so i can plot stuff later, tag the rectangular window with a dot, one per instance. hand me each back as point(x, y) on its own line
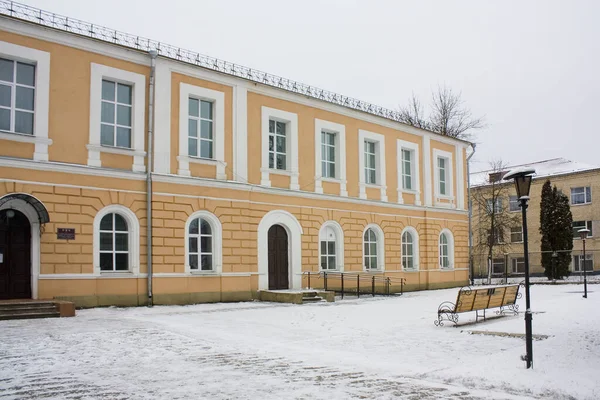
point(328, 154)
point(516, 234)
point(277, 145)
point(17, 96)
point(581, 195)
point(513, 203)
point(498, 266)
point(518, 265)
point(443, 175)
point(497, 237)
point(578, 262)
point(200, 128)
point(116, 113)
point(407, 170)
point(578, 225)
point(496, 207)
point(328, 255)
point(370, 166)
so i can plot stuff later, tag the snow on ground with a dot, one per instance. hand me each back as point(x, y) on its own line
point(371, 348)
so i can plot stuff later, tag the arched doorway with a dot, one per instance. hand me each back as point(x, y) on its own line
point(15, 255)
point(278, 258)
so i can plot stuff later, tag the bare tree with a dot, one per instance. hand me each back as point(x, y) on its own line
point(448, 114)
point(492, 221)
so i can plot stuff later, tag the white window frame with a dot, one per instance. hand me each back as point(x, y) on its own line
point(586, 200)
point(340, 155)
point(291, 121)
point(41, 59)
point(520, 231)
point(133, 226)
point(217, 243)
point(516, 201)
point(498, 261)
point(579, 257)
point(339, 244)
point(184, 159)
point(450, 236)
point(515, 265)
point(379, 140)
point(99, 73)
point(449, 179)
point(498, 206)
point(415, 244)
point(588, 225)
point(415, 169)
point(380, 248)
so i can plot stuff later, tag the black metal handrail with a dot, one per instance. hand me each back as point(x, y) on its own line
point(345, 277)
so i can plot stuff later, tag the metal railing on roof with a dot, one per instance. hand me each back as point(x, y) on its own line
point(75, 26)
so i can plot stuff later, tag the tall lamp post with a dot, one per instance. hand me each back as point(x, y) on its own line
point(583, 233)
point(522, 178)
point(554, 262)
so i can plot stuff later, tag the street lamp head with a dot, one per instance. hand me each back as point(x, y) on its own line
point(522, 178)
point(583, 233)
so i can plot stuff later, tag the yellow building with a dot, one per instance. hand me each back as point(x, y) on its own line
point(576, 180)
point(255, 179)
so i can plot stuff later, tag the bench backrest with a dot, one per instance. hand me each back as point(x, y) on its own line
point(478, 299)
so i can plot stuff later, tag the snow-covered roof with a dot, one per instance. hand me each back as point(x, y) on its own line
point(543, 169)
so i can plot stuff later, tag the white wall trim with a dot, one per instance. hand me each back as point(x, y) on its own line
point(138, 81)
point(240, 133)
point(379, 139)
point(133, 226)
point(162, 117)
point(416, 253)
point(460, 178)
point(218, 99)
point(217, 243)
point(42, 95)
point(339, 243)
point(340, 155)
point(448, 232)
point(294, 232)
point(380, 248)
point(427, 185)
point(291, 120)
point(415, 167)
point(32, 216)
point(449, 184)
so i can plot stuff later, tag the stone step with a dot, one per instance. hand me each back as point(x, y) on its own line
point(308, 294)
point(27, 308)
point(311, 299)
point(29, 314)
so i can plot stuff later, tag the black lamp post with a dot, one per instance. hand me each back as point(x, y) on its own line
point(522, 178)
point(583, 233)
point(554, 263)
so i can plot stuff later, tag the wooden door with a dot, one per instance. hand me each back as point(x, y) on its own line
point(15, 247)
point(278, 258)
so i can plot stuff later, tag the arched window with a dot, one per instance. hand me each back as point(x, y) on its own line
point(410, 249)
point(116, 240)
point(446, 251)
point(331, 246)
point(203, 243)
point(114, 243)
point(373, 248)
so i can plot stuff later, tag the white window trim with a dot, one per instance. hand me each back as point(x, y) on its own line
point(511, 233)
point(416, 254)
point(291, 121)
point(379, 140)
point(380, 248)
point(42, 98)
point(218, 99)
point(415, 168)
point(138, 81)
point(133, 228)
point(588, 257)
point(339, 244)
point(518, 206)
point(340, 155)
point(590, 235)
point(450, 249)
point(584, 195)
point(449, 184)
point(217, 243)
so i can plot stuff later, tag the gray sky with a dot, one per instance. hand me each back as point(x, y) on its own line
point(532, 68)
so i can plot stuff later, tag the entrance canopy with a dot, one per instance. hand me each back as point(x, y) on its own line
point(37, 205)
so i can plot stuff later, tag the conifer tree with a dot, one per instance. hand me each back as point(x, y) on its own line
point(556, 228)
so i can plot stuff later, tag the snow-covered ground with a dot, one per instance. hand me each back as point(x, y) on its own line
point(372, 348)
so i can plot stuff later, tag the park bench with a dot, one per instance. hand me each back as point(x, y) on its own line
point(469, 299)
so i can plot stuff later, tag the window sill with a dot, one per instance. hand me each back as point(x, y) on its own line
point(409, 191)
point(410, 269)
point(199, 160)
point(281, 172)
point(581, 204)
point(332, 180)
point(117, 274)
point(373, 186)
point(23, 138)
point(448, 269)
point(203, 273)
point(116, 150)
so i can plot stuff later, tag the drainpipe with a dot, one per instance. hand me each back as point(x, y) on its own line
point(470, 214)
point(153, 55)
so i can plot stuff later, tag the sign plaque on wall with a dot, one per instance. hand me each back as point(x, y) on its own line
point(65, 233)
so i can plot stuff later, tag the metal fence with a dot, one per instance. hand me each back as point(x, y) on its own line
point(75, 26)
